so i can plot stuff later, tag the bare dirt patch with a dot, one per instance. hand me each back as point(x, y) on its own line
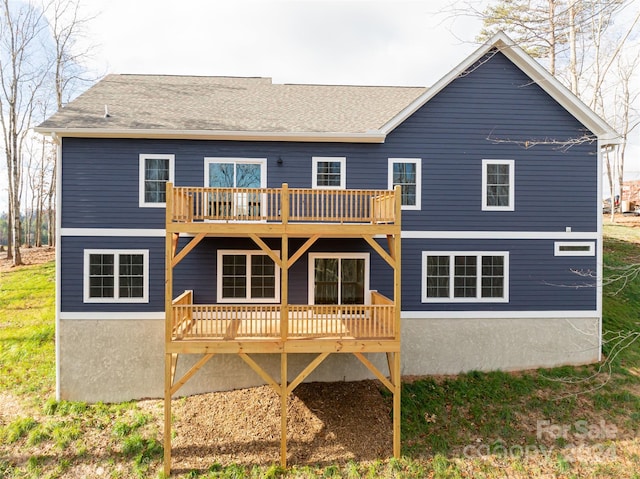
point(328, 423)
point(30, 256)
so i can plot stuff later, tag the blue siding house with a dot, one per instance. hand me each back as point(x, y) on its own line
point(498, 171)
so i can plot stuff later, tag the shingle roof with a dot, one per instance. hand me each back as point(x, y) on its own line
point(179, 103)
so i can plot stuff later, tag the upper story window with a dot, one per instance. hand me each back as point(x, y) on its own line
point(247, 276)
point(406, 172)
point(116, 276)
point(329, 172)
point(155, 172)
point(465, 277)
point(498, 185)
point(338, 278)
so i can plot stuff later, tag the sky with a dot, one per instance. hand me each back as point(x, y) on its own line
point(361, 42)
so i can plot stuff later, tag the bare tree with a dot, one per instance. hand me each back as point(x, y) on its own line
point(67, 26)
point(22, 74)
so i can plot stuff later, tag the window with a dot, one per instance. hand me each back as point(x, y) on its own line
point(155, 172)
point(247, 276)
point(498, 185)
point(329, 172)
point(235, 173)
point(574, 248)
point(116, 276)
point(338, 278)
point(465, 277)
point(406, 172)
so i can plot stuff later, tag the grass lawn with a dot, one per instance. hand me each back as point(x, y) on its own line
point(564, 422)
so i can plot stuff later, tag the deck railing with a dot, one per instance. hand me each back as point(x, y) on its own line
point(246, 321)
point(284, 204)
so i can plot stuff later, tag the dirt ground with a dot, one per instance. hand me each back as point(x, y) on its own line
point(29, 256)
point(327, 423)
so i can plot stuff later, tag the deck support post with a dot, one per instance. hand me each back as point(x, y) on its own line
point(283, 409)
point(167, 414)
point(396, 405)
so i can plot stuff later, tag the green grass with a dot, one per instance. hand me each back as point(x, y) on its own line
point(27, 358)
point(441, 417)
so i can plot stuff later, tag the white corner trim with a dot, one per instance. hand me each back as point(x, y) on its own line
point(498, 314)
point(115, 232)
point(58, 254)
point(105, 316)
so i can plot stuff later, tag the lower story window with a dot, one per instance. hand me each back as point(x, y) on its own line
point(116, 276)
point(338, 278)
point(247, 276)
point(465, 276)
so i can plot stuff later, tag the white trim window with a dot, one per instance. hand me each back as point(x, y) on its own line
point(154, 173)
point(339, 278)
point(116, 276)
point(247, 276)
point(407, 173)
point(329, 172)
point(574, 248)
point(465, 276)
point(498, 185)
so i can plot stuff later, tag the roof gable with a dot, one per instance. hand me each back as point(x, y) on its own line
point(533, 70)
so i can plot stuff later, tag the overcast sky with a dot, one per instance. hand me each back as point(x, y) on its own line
point(303, 41)
point(385, 42)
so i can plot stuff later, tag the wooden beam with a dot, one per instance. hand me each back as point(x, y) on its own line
point(396, 406)
point(391, 243)
point(283, 409)
point(385, 256)
point(189, 374)
point(174, 365)
point(264, 247)
point(261, 372)
point(303, 249)
point(390, 365)
point(167, 414)
point(175, 238)
point(306, 371)
point(375, 371)
point(192, 244)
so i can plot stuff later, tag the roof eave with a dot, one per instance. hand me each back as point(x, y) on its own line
point(303, 136)
point(535, 71)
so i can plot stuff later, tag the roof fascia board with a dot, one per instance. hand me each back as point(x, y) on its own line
point(531, 68)
point(369, 137)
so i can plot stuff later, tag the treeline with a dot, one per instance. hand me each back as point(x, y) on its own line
point(37, 229)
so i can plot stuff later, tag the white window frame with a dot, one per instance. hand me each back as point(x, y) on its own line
point(418, 163)
point(141, 179)
point(478, 298)
point(559, 251)
point(247, 298)
point(311, 277)
point(512, 185)
point(343, 171)
point(261, 161)
point(116, 275)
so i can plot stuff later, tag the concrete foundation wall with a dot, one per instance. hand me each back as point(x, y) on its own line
point(118, 360)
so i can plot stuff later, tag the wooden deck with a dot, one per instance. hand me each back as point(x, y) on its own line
point(240, 322)
point(284, 328)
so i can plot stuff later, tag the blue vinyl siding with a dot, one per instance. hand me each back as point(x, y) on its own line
point(538, 280)
point(72, 272)
point(197, 271)
point(555, 188)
